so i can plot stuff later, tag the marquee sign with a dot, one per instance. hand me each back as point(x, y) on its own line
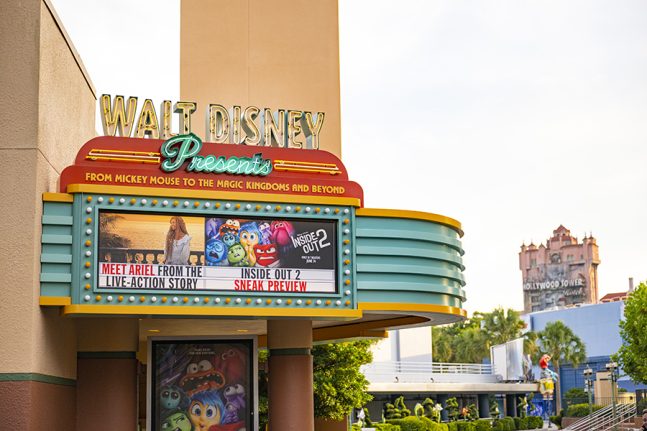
point(184, 162)
point(216, 254)
point(185, 226)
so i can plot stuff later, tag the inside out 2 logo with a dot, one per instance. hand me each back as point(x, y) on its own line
point(311, 241)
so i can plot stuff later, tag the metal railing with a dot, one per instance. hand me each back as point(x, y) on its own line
point(605, 418)
point(431, 367)
point(398, 371)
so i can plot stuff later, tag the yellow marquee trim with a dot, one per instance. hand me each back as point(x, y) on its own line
point(412, 308)
point(57, 197)
point(55, 301)
point(417, 215)
point(209, 311)
point(208, 194)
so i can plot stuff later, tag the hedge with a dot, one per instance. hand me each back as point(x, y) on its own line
point(580, 410)
point(385, 427)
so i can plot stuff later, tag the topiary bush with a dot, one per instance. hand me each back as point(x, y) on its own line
point(483, 425)
point(535, 422)
point(504, 424)
point(580, 410)
point(386, 427)
point(521, 423)
point(451, 426)
point(408, 424)
point(466, 426)
point(432, 425)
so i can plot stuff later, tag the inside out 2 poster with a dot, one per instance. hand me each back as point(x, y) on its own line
point(172, 252)
point(201, 385)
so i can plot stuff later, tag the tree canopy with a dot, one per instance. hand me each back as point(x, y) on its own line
point(632, 355)
point(339, 386)
point(470, 341)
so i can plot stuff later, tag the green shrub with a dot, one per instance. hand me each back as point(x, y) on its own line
point(580, 410)
point(521, 423)
point(432, 425)
point(451, 426)
point(386, 427)
point(466, 426)
point(535, 422)
point(483, 425)
point(504, 424)
point(410, 423)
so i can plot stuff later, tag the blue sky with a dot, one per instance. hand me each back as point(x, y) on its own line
point(511, 116)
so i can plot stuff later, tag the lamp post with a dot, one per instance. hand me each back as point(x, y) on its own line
point(588, 373)
point(612, 367)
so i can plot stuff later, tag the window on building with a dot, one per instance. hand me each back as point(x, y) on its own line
point(533, 263)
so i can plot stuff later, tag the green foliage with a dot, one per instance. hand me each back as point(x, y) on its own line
point(504, 424)
point(559, 341)
point(399, 404)
point(409, 424)
point(338, 384)
point(631, 356)
point(483, 425)
point(580, 410)
point(386, 427)
point(433, 426)
point(470, 341)
point(428, 405)
point(494, 409)
point(502, 326)
point(466, 426)
point(451, 426)
point(557, 420)
point(470, 412)
point(391, 412)
point(521, 423)
point(451, 405)
point(535, 422)
point(576, 393)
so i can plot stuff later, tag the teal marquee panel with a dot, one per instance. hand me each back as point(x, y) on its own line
point(71, 254)
point(56, 249)
point(408, 261)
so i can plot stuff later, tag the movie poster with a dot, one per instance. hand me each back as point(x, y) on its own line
point(202, 385)
point(171, 252)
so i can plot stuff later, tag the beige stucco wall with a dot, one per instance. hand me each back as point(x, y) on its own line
point(48, 115)
point(279, 54)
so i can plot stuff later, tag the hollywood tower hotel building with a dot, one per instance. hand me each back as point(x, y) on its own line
point(562, 272)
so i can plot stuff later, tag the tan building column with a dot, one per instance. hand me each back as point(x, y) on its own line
point(291, 402)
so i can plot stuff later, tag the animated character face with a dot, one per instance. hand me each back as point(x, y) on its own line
point(266, 254)
point(204, 415)
point(266, 232)
point(236, 253)
point(216, 251)
point(281, 232)
point(170, 397)
point(200, 377)
point(230, 225)
point(249, 235)
point(177, 422)
point(229, 238)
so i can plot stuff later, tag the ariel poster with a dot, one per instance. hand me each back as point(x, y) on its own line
point(203, 385)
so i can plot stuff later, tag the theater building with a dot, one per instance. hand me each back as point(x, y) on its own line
point(562, 272)
point(144, 268)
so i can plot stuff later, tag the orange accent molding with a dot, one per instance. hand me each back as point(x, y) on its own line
point(416, 215)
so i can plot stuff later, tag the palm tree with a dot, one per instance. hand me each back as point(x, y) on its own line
point(441, 345)
point(502, 326)
point(471, 346)
point(559, 341)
